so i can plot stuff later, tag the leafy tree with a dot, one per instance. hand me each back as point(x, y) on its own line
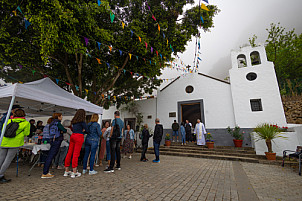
point(54, 45)
point(284, 49)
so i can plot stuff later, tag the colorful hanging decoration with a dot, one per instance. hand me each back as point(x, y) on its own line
point(99, 61)
point(123, 24)
point(99, 2)
point(86, 40)
point(201, 19)
point(112, 17)
point(99, 45)
point(204, 7)
point(130, 55)
point(27, 23)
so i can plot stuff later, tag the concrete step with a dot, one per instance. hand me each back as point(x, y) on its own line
point(211, 156)
point(191, 144)
point(214, 152)
point(216, 149)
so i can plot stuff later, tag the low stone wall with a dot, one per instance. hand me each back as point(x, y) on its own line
point(293, 109)
point(221, 137)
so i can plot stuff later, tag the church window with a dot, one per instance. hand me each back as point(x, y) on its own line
point(255, 58)
point(256, 105)
point(251, 76)
point(241, 59)
point(189, 89)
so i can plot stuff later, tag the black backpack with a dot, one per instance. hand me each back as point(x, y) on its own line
point(11, 130)
point(116, 131)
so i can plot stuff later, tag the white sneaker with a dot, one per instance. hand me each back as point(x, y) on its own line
point(66, 174)
point(92, 172)
point(130, 157)
point(84, 171)
point(74, 175)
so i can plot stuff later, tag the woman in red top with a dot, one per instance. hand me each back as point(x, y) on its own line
point(76, 141)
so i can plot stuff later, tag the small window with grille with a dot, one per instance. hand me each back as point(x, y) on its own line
point(256, 105)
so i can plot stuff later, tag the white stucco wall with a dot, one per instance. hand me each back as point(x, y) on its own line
point(279, 145)
point(216, 95)
point(265, 87)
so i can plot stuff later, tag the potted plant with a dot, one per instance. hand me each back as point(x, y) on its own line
point(168, 140)
point(268, 133)
point(237, 134)
point(209, 141)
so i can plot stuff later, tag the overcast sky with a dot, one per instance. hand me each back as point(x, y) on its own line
point(234, 25)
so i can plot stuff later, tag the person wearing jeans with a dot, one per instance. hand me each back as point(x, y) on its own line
point(92, 143)
point(55, 143)
point(158, 134)
point(115, 143)
point(183, 133)
point(175, 128)
point(76, 141)
point(10, 145)
point(60, 157)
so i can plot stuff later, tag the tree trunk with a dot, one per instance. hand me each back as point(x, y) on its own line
point(80, 66)
point(269, 146)
point(69, 76)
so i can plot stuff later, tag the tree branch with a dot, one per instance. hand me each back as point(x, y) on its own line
point(113, 80)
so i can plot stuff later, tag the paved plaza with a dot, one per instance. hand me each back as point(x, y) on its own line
point(175, 178)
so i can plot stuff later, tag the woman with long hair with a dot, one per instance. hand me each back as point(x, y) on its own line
point(10, 145)
point(92, 143)
point(103, 143)
point(76, 141)
point(128, 141)
point(56, 131)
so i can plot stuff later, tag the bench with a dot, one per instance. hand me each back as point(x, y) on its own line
point(294, 154)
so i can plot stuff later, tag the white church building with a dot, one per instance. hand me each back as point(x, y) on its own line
point(250, 97)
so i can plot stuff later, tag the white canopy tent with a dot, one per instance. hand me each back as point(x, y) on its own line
point(42, 98)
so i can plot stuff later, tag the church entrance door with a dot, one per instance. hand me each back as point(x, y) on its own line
point(191, 110)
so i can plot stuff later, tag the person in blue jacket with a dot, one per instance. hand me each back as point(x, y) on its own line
point(92, 143)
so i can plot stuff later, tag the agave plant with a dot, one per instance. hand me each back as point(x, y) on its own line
point(268, 133)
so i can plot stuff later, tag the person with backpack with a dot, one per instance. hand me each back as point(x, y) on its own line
point(79, 127)
point(115, 142)
point(17, 128)
point(2, 120)
point(56, 131)
point(92, 144)
point(60, 157)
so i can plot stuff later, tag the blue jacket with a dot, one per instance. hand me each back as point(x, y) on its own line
point(79, 127)
point(182, 130)
point(131, 132)
point(94, 131)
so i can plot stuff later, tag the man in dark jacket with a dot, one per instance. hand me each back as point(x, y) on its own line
point(158, 134)
point(145, 139)
point(175, 128)
point(188, 127)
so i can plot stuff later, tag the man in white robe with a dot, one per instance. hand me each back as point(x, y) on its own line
point(200, 132)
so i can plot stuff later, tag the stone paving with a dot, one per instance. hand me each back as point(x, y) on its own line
point(175, 178)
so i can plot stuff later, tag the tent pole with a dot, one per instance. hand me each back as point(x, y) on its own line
point(7, 117)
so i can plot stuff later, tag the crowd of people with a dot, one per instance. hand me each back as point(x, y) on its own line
point(67, 139)
point(188, 133)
